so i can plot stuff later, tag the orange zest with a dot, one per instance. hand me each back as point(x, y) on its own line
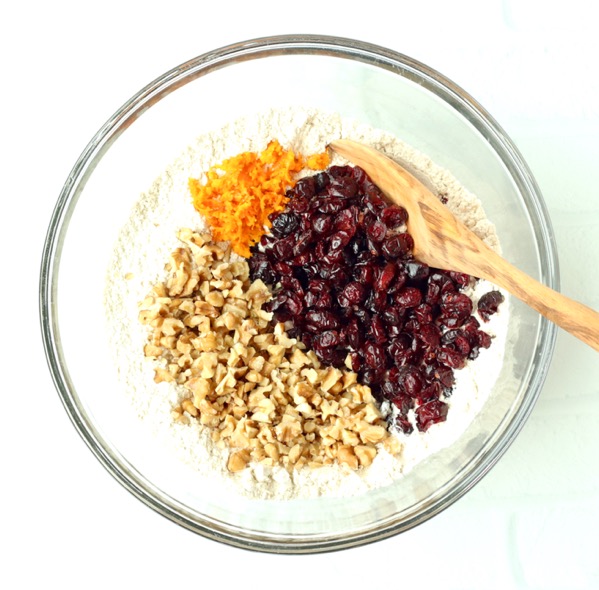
point(241, 192)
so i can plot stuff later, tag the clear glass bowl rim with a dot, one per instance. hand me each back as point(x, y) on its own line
point(199, 66)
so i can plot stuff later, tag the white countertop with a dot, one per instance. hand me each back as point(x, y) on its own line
point(532, 522)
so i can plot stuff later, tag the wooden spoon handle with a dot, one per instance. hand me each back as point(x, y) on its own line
point(471, 255)
point(445, 242)
point(574, 317)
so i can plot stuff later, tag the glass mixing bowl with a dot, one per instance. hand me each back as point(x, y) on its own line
point(361, 81)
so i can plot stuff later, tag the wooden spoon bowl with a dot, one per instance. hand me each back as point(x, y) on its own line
point(441, 241)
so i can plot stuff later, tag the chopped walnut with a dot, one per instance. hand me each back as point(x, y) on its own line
point(260, 392)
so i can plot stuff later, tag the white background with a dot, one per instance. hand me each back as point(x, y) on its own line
point(533, 522)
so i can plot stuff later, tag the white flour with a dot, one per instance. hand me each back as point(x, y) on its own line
point(145, 243)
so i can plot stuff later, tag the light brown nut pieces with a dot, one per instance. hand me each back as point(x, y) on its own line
point(263, 395)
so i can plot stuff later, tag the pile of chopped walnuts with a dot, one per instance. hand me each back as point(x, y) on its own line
point(260, 392)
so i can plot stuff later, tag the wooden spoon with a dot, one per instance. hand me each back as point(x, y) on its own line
point(444, 242)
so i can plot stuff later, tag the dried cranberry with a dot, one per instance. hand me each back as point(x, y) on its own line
point(376, 231)
point(403, 424)
point(317, 321)
point(438, 284)
point(411, 381)
point(345, 187)
point(291, 284)
point(408, 297)
point(430, 335)
point(403, 402)
point(444, 375)
point(398, 246)
point(266, 240)
point(352, 334)
point(347, 283)
point(430, 413)
point(374, 355)
point(371, 376)
point(385, 277)
point(305, 187)
point(460, 279)
point(321, 181)
point(392, 316)
point(356, 361)
point(322, 224)
point(430, 392)
point(260, 268)
point(302, 260)
point(377, 301)
point(394, 217)
point(417, 271)
point(339, 240)
point(484, 340)
point(336, 172)
point(328, 205)
point(423, 313)
point(462, 345)
point(284, 223)
point(364, 273)
point(326, 339)
point(405, 358)
point(330, 356)
point(455, 309)
point(353, 293)
point(401, 278)
point(302, 242)
point(377, 329)
point(489, 303)
point(451, 358)
point(347, 220)
point(299, 204)
point(373, 200)
point(284, 249)
point(294, 305)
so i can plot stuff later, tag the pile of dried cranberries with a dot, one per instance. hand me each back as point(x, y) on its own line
point(340, 265)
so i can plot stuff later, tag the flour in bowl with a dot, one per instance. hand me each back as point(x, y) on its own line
point(138, 263)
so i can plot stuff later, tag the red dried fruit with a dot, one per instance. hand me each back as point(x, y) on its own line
point(430, 392)
point(459, 278)
point(376, 231)
point(352, 335)
point(489, 303)
point(417, 271)
point(394, 217)
point(404, 403)
point(353, 293)
point(347, 283)
point(347, 220)
point(377, 329)
point(430, 413)
point(438, 284)
point(326, 339)
point(403, 424)
point(374, 355)
point(398, 246)
point(456, 305)
point(318, 321)
point(411, 381)
point(322, 224)
point(408, 297)
point(283, 223)
point(385, 277)
point(451, 358)
point(299, 204)
point(423, 313)
point(430, 335)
